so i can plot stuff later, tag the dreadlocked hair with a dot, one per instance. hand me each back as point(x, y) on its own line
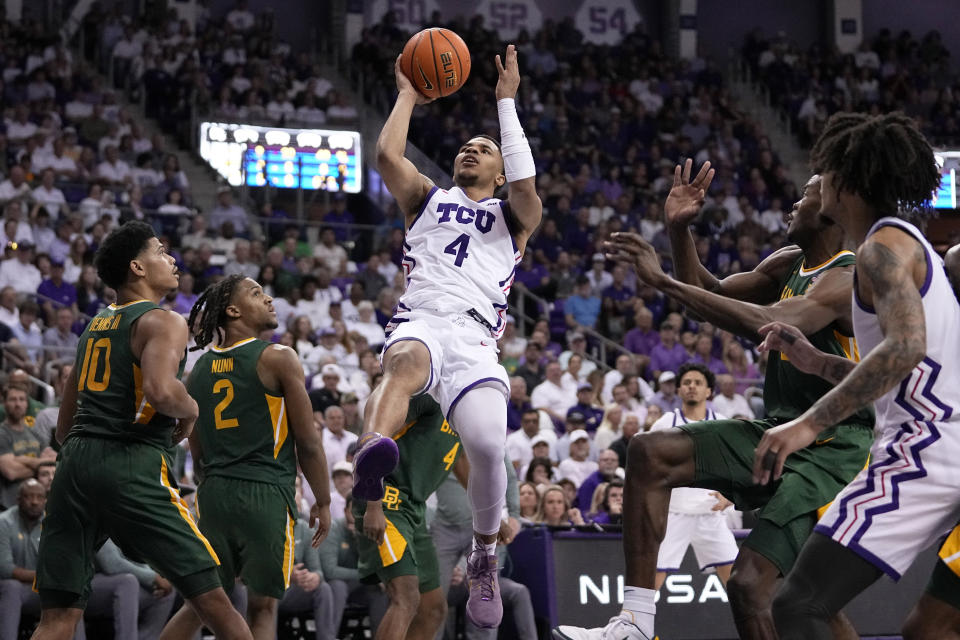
point(211, 310)
point(884, 159)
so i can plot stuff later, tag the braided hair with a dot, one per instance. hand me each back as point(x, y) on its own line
point(884, 159)
point(211, 309)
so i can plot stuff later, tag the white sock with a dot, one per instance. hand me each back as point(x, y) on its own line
point(490, 549)
point(638, 607)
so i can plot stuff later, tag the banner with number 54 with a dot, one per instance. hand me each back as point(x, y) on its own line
point(606, 21)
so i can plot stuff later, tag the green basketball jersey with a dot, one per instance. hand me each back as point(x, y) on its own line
point(110, 400)
point(788, 392)
point(428, 448)
point(242, 425)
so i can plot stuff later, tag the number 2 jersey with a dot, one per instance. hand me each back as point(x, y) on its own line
point(110, 399)
point(242, 426)
point(460, 255)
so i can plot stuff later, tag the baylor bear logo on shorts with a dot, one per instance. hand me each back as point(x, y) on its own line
point(391, 498)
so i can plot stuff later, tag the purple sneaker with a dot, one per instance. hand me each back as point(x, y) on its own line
point(484, 607)
point(375, 458)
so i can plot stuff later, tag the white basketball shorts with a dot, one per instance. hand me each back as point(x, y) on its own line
point(712, 541)
point(463, 356)
point(904, 501)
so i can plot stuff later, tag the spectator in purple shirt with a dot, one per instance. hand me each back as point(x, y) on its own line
point(669, 354)
point(610, 509)
point(618, 300)
point(579, 235)
point(608, 463)
point(642, 338)
point(532, 275)
point(541, 335)
point(338, 217)
point(54, 292)
point(666, 396)
point(185, 297)
point(582, 308)
point(703, 354)
point(735, 361)
point(547, 243)
point(518, 404)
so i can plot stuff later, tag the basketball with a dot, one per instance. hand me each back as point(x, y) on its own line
point(436, 61)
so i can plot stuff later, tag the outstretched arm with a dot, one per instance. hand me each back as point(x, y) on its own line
point(826, 301)
point(517, 159)
point(407, 185)
point(280, 365)
point(891, 263)
point(681, 208)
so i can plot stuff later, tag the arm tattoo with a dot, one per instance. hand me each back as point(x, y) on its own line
point(787, 337)
point(899, 310)
point(836, 368)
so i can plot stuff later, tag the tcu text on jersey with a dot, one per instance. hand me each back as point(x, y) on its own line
point(482, 219)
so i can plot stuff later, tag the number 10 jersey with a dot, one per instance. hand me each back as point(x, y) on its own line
point(460, 255)
point(110, 399)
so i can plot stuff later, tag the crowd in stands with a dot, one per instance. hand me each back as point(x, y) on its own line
point(887, 73)
point(607, 127)
point(234, 68)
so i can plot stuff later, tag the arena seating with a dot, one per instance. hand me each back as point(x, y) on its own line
point(607, 126)
point(889, 72)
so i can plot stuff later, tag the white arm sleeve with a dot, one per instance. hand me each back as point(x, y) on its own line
point(517, 158)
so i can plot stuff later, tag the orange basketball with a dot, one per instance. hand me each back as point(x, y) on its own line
point(436, 61)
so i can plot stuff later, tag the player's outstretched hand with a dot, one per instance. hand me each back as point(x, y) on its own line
point(405, 86)
point(686, 197)
point(631, 249)
point(790, 341)
point(320, 520)
point(778, 443)
point(509, 72)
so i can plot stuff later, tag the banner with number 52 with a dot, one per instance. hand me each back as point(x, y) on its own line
point(508, 17)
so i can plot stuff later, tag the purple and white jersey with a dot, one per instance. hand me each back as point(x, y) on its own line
point(930, 393)
point(460, 255)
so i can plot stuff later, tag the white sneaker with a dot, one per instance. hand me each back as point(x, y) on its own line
point(619, 628)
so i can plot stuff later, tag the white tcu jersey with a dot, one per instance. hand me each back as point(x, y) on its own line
point(688, 499)
point(460, 255)
point(930, 393)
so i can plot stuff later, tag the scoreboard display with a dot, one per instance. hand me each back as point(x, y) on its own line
point(946, 195)
point(314, 159)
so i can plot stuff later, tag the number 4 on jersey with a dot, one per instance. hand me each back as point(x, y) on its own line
point(458, 248)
